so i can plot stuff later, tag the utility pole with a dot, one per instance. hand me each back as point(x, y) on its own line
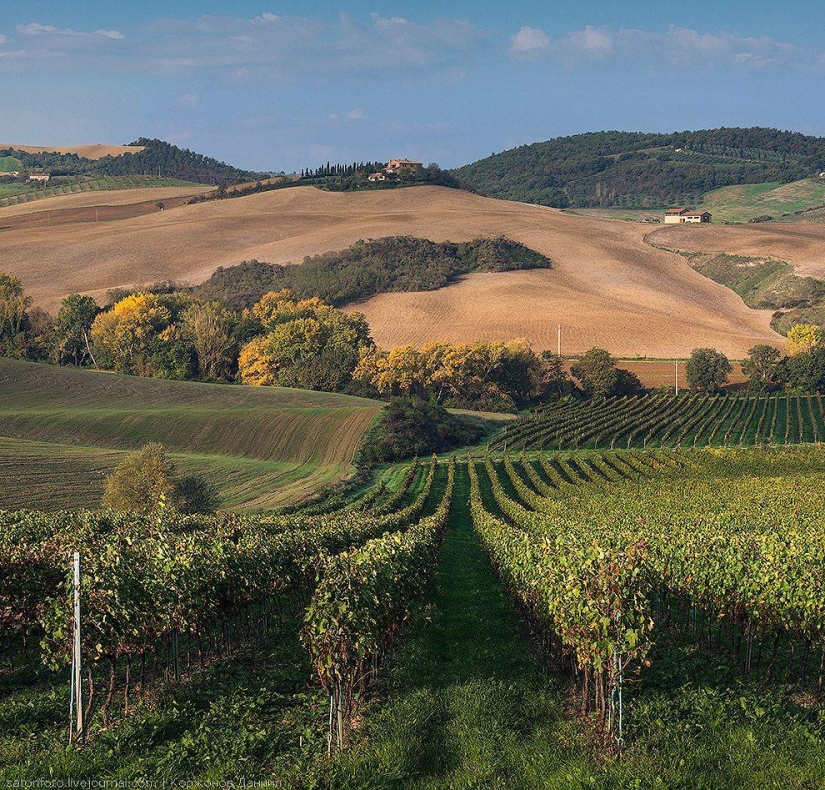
point(677, 376)
point(558, 342)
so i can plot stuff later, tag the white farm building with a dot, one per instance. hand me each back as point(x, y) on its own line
point(674, 216)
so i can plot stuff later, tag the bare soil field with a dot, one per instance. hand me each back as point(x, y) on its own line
point(800, 244)
point(608, 287)
point(109, 197)
point(101, 213)
point(86, 151)
point(661, 373)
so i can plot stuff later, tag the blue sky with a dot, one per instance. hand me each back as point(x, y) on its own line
point(281, 86)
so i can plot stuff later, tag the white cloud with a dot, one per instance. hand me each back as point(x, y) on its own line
point(115, 34)
point(676, 46)
point(333, 116)
point(36, 29)
point(3, 39)
point(356, 113)
point(267, 47)
point(189, 100)
point(530, 41)
point(596, 44)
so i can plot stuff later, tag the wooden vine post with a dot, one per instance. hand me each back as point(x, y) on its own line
point(76, 718)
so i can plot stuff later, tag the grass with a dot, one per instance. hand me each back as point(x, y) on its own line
point(63, 429)
point(744, 202)
point(8, 164)
point(739, 203)
point(766, 283)
point(246, 717)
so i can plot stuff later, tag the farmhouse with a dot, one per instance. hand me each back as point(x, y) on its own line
point(675, 216)
point(376, 177)
point(39, 176)
point(403, 166)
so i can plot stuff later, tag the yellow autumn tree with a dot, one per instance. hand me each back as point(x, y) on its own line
point(127, 334)
point(804, 337)
point(309, 344)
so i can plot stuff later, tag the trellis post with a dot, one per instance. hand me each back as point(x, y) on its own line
point(76, 703)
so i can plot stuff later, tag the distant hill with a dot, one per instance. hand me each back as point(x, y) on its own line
point(150, 157)
point(640, 170)
point(94, 151)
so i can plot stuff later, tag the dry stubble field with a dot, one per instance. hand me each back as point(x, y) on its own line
point(608, 287)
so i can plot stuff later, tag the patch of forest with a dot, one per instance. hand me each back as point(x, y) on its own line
point(367, 268)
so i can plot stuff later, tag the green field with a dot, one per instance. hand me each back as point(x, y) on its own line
point(740, 203)
point(9, 164)
point(16, 193)
point(747, 201)
point(62, 430)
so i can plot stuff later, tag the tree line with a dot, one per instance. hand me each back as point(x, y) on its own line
point(285, 340)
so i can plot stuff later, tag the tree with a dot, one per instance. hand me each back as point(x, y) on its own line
point(13, 305)
point(707, 370)
point(209, 326)
point(804, 337)
point(412, 426)
point(762, 367)
point(193, 494)
point(309, 344)
point(72, 329)
point(556, 382)
point(805, 371)
point(596, 372)
point(142, 482)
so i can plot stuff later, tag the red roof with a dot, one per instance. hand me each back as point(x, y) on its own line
point(676, 211)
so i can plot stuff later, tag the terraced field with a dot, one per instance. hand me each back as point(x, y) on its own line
point(62, 430)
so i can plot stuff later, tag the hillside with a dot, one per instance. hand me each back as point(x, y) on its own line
point(63, 429)
point(607, 286)
point(143, 157)
point(802, 244)
point(639, 170)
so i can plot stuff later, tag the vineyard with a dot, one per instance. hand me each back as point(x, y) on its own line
point(666, 420)
point(671, 599)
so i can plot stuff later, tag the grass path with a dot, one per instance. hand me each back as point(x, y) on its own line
point(469, 705)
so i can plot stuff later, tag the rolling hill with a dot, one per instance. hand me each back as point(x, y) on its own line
point(607, 286)
point(143, 157)
point(63, 429)
point(640, 170)
point(94, 151)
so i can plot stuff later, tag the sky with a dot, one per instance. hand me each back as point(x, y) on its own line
point(273, 86)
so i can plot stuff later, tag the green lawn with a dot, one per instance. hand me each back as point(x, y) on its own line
point(63, 429)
